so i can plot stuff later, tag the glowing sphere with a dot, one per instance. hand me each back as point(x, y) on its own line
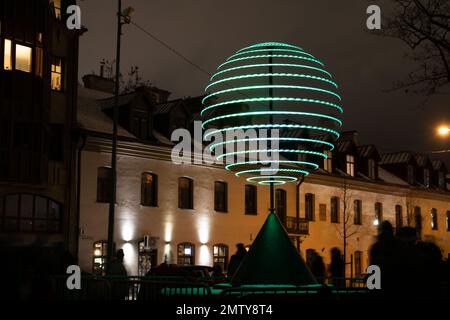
point(279, 87)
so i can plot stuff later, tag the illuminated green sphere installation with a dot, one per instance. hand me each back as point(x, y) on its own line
point(273, 86)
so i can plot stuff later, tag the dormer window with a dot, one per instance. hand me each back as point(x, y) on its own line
point(410, 174)
point(57, 8)
point(426, 177)
point(350, 169)
point(441, 180)
point(328, 162)
point(372, 169)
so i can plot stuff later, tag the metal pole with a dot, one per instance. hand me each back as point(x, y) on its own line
point(272, 190)
point(112, 201)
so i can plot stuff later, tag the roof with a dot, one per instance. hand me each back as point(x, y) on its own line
point(285, 266)
point(90, 115)
point(439, 165)
point(167, 107)
point(368, 151)
point(396, 158)
point(124, 99)
point(422, 160)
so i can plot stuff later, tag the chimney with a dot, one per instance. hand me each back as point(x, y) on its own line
point(99, 83)
point(350, 135)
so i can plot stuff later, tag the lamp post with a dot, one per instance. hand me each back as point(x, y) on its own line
point(122, 18)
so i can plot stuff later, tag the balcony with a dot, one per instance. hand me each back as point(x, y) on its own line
point(297, 226)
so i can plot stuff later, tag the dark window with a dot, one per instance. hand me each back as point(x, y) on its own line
point(357, 207)
point(410, 174)
point(418, 218)
point(149, 189)
point(56, 142)
point(372, 169)
point(28, 212)
point(280, 202)
point(441, 179)
point(104, 184)
point(309, 207)
point(334, 210)
point(186, 254)
point(220, 256)
point(250, 200)
point(426, 177)
point(185, 193)
point(378, 213)
point(434, 219)
point(398, 216)
point(358, 263)
point(310, 253)
point(220, 196)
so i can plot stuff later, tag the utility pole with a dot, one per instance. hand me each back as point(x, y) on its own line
point(122, 18)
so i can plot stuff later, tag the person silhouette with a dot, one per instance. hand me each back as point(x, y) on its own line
point(236, 259)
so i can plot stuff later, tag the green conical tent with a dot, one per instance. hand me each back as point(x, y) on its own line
point(273, 259)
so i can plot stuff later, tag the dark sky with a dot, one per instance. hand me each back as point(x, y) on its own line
point(208, 31)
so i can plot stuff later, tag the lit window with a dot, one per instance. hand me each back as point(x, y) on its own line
point(328, 162)
point(23, 58)
point(186, 254)
point(434, 219)
point(57, 8)
point(350, 165)
point(220, 256)
point(7, 65)
point(56, 74)
point(100, 257)
point(149, 189)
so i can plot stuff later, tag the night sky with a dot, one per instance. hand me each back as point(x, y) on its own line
point(208, 31)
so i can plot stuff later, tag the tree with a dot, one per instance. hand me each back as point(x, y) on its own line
point(424, 25)
point(128, 83)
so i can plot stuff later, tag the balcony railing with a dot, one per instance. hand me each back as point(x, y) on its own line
point(296, 225)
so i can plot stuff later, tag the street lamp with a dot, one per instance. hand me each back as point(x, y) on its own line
point(443, 131)
point(123, 17)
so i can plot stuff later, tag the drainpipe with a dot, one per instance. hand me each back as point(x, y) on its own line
point(297, 207)
point(79, 154)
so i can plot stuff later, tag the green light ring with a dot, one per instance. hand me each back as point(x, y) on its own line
point(307, 100)
point(270, 125)
point(270, 113)
point(268, 182)
point(290, 56)
point(306, 163)
point(269, 51)
point(265, 75)
point(270, 44)
point(272, 65)
point(213, 146)
point(273, 86)
point(274, 182)
point(323, 155)
point(237, 174)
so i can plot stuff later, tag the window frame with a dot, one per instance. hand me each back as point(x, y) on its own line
point(350, 164)
point(61, 74)
point(398, 216)
point(310, 207)
point(434, 219)
point(217, 259)
point(149, 198)
point(328, 162)
point(190, 196)
point(251, 210)
point(357, 212)
point(221, 194)
point(378, 208)
point(104, 185)
point(183, 256)
point(334, 209)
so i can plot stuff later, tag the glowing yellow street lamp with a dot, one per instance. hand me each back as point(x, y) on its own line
point(443, 131)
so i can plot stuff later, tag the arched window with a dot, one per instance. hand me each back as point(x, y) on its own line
point(309, 207)
point(29, 212)
point(149, 189)
point(186, 254)
point(185, 193)
point(104, 184)
point(357, 208)
point(220, 256)
point(398, 216)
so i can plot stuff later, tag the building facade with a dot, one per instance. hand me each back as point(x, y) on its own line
point(38, 86)
point(196, 213)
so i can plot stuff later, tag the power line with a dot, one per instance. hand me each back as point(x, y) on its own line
point(167, 46)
